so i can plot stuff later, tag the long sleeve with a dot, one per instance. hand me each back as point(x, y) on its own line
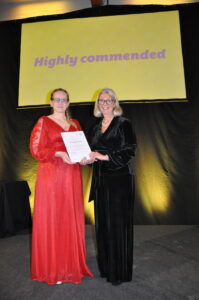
point(122, 155)
point(39, 145)
point(118, 142)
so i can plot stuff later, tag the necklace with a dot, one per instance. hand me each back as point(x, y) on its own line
point(106, 122)
point(59, 119)
point(62, 122)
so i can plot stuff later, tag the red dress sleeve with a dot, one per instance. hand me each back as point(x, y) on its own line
point(39, 145)
point(77, 124)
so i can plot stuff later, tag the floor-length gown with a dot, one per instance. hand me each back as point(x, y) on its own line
point(112, 190)
point(58, 235)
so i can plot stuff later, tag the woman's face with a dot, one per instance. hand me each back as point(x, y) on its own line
point(59, 102)
point(105, 104)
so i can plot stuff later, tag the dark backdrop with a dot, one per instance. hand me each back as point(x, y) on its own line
point(166, 163)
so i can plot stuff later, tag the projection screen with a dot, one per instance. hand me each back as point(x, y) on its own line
point(137, 55)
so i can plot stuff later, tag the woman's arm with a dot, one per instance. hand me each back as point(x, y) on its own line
point(39, 143)
point(120, 156)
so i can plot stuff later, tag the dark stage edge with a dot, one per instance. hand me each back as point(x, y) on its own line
point(166, 267)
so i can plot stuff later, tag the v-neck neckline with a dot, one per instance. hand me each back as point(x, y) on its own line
point(59, 124)
point(107, 129)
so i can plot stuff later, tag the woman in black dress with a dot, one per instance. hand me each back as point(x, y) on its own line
point(113, 145)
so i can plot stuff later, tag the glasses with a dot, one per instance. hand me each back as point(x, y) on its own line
point(102, 101)
point(60, 100)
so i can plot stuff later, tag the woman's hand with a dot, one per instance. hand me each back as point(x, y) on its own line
point(85, 161)
point(94, 156)
point(64, 156)
point(98, 156)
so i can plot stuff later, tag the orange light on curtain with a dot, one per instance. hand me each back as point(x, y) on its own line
point(153, 184)
point(27, 10)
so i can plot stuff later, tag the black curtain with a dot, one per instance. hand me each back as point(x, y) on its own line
point(167, 158)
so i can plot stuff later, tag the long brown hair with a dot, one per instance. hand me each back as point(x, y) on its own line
point(67, 112)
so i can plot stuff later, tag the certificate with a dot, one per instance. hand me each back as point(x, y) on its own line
point(76, 145)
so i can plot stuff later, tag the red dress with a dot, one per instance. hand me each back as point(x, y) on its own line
point(58, 235)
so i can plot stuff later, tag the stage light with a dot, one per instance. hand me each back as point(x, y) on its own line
point(40, 9)
point(97, 3)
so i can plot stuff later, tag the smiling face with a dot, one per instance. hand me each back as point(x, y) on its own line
point(59, 102)
point(106, 105)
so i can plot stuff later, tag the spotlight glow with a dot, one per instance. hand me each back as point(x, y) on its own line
point(40, 9)
point(153, 185)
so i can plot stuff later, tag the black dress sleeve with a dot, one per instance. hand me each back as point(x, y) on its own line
point(122, 155)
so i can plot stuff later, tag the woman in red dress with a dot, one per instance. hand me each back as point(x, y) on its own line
point(58, 236)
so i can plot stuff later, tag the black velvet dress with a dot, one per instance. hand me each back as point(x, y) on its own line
point(113, 192)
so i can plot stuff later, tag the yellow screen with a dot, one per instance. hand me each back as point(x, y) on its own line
point(138, 55)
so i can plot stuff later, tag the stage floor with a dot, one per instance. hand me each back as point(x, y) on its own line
point(166, 267)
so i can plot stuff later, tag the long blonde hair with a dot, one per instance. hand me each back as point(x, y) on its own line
point(117, 111)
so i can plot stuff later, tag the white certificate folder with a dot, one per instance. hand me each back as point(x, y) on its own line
point(76, 145)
